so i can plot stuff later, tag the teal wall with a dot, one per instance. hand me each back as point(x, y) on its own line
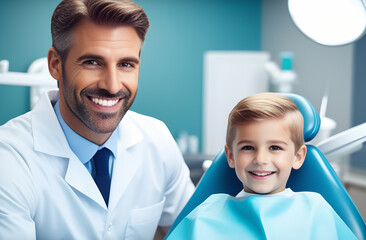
point(170, 86)
point(24, 36)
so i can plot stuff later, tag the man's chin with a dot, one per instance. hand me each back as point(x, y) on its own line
point(103, 122)
point(103, 129)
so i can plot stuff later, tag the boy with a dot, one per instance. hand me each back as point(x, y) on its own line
point(264, 142)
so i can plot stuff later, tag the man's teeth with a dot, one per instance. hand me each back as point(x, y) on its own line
point(105, 103)
point(261, 174)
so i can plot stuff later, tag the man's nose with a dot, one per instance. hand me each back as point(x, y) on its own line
point(111, 80)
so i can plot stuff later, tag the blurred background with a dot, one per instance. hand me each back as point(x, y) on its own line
point(182, 54)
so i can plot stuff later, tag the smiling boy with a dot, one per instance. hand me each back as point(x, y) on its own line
point(264, 142)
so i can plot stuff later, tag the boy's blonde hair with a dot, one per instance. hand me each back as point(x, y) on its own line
point(264, 106)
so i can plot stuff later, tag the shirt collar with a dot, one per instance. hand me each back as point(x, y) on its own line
point(83, 148)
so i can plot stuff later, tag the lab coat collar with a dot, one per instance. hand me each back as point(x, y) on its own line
point(129, 133)
point(47, 133)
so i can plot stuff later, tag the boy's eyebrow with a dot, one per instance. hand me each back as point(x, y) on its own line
point(270, 142)
point(245, 141)
point(278, 142)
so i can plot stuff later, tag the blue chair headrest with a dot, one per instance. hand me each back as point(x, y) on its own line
point(311, 116)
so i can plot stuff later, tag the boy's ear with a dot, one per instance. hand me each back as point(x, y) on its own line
point(299, 157)
point(229, 157)
point(54, 64)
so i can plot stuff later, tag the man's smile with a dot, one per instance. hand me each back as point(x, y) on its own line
point(104, 102)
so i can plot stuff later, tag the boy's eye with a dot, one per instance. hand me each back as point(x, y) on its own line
point(275, 148)
point(247, 148)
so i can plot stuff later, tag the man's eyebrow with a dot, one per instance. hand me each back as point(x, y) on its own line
point(130, 59)
point(92, 56)
point(88, 56)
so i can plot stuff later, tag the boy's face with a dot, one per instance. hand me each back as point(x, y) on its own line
point(263, 155)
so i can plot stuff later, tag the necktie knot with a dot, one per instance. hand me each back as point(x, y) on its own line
point(101, 178)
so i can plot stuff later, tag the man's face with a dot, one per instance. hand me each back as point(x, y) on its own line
point(99, 78)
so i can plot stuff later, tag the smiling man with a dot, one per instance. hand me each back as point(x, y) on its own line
point(81, 165)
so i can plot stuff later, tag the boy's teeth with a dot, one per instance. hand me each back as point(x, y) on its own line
point(261, 174)
point(105, 103)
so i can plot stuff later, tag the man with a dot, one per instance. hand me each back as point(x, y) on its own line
point(80, 165)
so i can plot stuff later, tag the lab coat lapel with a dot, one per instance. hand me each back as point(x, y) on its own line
point(49, 138)
point(126, 164)
point(122, 175)
point(79, 178)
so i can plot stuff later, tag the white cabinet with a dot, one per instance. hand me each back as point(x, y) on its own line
point(229, 76)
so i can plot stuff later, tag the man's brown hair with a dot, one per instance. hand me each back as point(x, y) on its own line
point(105, 12)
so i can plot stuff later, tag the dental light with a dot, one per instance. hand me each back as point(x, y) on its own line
point(333, 23)
point(330, 22)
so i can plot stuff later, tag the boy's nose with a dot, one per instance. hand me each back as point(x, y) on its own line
point(261, 157)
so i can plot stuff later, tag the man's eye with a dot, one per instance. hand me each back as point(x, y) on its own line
point(275, 148)
point(126, 65)
point(91, 62)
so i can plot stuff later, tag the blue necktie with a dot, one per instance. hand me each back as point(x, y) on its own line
point(101, 178)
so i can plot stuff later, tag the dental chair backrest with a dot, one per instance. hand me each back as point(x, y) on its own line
point(315, 175)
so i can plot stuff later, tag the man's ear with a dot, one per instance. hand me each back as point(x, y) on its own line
point(54, 64)
point(229, 157)
point(299, 157)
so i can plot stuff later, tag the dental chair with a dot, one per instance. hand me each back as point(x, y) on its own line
point(315, 175)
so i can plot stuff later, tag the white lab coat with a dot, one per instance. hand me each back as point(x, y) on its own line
point(47, 193)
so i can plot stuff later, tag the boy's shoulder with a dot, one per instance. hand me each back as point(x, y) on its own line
point(313, 196)
point(216, 198)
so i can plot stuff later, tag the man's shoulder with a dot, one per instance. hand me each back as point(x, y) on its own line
point(16, 127)
point(143, 122)
point(150, 129)
point(138, 117)
point(16, 137)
